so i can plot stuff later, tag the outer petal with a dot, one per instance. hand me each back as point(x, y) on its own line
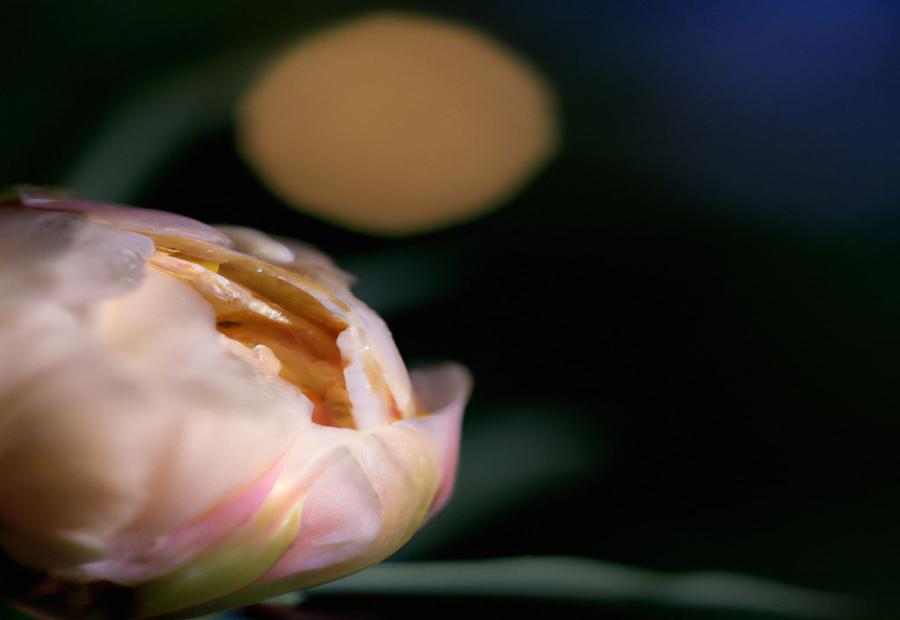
point(136, 397)
point(121, 216)
point(170, 551)
point(443, 390)
point(366, 497)
point(52, 376)
point(68, 410)
point(227, 424)
point(64, 259)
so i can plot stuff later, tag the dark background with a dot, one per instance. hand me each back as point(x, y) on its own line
point(684, 332)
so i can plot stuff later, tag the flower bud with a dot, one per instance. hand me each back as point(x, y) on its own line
point(194, 419)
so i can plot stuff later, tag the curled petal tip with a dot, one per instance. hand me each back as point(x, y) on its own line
point(444, 391)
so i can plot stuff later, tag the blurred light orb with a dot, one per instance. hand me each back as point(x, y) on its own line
point(396, 124)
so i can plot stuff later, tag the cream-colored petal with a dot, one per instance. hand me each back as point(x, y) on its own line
point(123, 217)
point(79, 440)
point(229, 421)
point(255, 243)
point(127, 423)
point(365, 498)
point(62, 258)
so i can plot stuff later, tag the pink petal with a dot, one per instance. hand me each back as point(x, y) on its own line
point(131, 218)
point(178, 548)
point(341, 516)
point(364, 501)
point(443, 391)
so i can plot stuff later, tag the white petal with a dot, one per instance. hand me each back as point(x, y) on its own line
point(255, 243)
point(65, 258)
point(230, 421)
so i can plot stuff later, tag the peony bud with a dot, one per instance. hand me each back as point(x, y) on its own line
point(193, 419)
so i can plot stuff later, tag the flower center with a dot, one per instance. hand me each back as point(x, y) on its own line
point(270, 310)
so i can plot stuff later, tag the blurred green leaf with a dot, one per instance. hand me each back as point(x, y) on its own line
point(147, 127)
point(593, 581)
point(511, 455)
point(402, 279)
point(8, 613)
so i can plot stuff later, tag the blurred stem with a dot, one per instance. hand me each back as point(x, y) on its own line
point(145, 129)
point(590, 581)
